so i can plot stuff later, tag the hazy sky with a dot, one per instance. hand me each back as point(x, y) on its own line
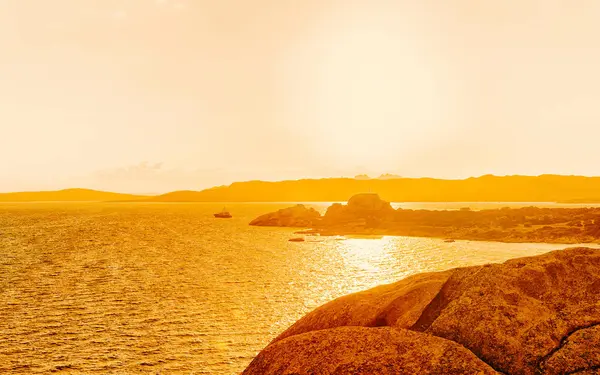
point(156, 95)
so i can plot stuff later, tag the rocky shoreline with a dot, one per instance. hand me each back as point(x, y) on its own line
point(367, 214)
point(527, 316)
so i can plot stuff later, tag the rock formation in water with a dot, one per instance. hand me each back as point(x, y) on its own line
point(296, 216)
point(362, 211)
point(369, 214)
point(527, 316)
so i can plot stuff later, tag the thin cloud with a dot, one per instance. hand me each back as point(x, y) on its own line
point(152, 177)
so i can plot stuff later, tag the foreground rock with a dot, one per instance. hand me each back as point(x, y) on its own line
point(360, 350)
point(296, 216)
point(535, 315)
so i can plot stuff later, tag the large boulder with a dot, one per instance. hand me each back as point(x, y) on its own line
point(296, 216)
point(515, 315)
point(368, 202)
point(360, 350)
point(397, 305)
point(534, 315)
point(366, 210)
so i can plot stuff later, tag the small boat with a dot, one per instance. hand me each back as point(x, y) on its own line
point(449, 240)
point(224, 214)
point(296, 239)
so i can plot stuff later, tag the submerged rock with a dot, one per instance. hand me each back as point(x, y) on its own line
point(534, 315)
point(296, 216)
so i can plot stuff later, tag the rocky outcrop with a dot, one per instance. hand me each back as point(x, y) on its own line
point(297, 216)
point(360, 350)
point(362, 211)
point(397, 305)
point(527, 316)
point(368, 214)
point(568, 358)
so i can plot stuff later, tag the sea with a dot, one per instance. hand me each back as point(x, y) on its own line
point(166, 288)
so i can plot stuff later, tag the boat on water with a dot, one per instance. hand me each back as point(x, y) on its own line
point(224, 214)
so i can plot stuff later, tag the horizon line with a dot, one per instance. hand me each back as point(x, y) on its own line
point(357, 178)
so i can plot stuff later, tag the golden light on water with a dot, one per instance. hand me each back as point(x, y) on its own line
point(179, 289)
point(149, 97)
point(367, 254)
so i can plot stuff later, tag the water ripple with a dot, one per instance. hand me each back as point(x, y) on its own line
point(165, 288)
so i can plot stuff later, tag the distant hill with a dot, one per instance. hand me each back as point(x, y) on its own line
point(544, 188)
point(67, 195)
point(595, 200)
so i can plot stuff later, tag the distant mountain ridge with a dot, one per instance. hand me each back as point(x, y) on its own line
point(488, 188)
point(67, 195)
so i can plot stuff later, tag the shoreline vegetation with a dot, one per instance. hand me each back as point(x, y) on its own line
point(488, 188)
point(368, 214)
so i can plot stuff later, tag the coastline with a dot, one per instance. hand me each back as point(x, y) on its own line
point(368, 214)
point(530, 315)
point(559, 241)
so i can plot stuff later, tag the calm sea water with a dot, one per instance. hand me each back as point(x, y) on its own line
point(99, 288)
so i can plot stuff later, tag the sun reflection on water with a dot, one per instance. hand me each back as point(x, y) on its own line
point(366, 254)
point(181, 290)
point(366, 259)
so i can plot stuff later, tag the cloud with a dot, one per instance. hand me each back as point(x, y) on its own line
point(154, 178)
point(157, 177)
point(144, 169)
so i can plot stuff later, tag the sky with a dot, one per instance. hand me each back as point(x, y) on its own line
point(149, 96)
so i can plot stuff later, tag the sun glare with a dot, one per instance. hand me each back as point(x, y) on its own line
point(369, 94)
point(366, 255)
point(188, 182)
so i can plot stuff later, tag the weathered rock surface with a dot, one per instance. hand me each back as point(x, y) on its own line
point(514, 314)
point(534, 315)
point(578, 351)
point(360, 350)
point(397, 305)
point(296, 216)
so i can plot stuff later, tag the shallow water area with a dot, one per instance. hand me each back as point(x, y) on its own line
point(101, 288)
